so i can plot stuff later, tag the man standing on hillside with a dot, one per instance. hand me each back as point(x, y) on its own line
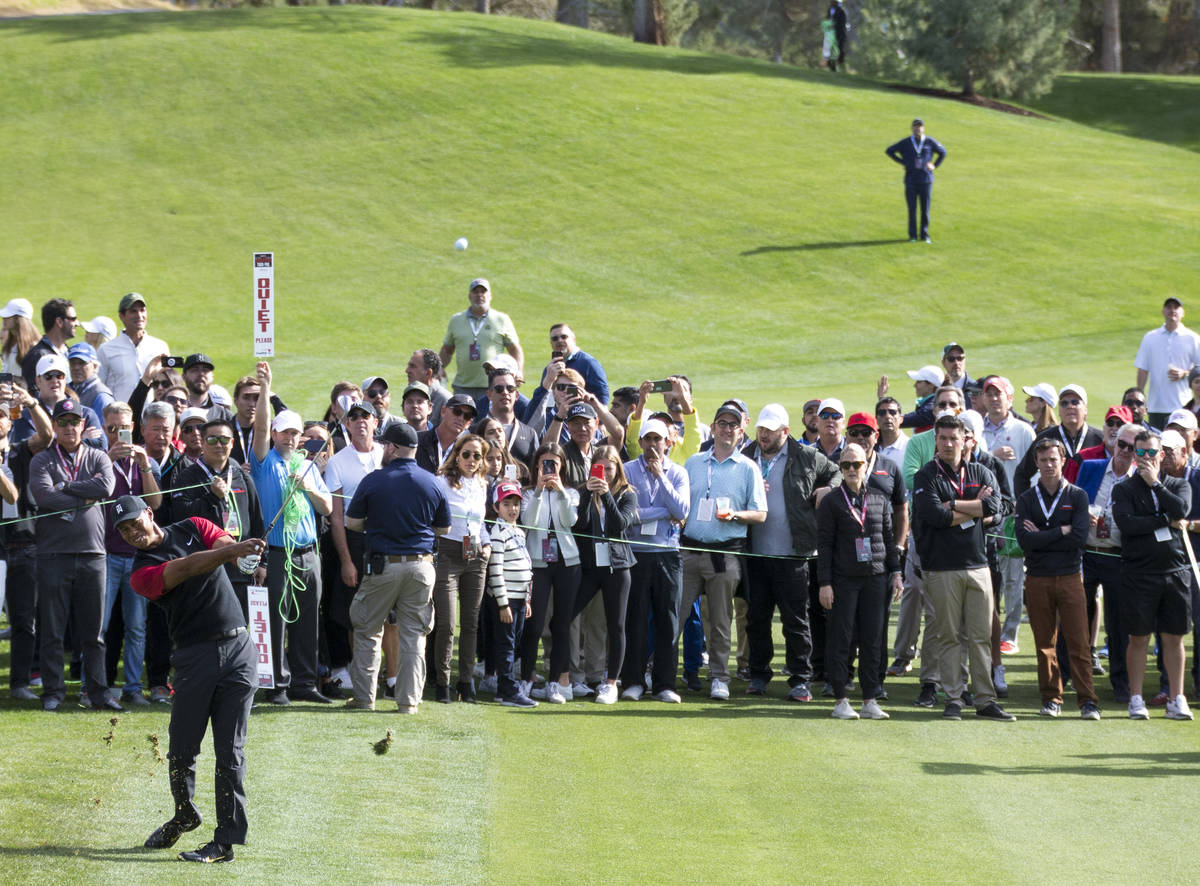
point(125, 358)
point(476, 335)
point(1164, 358)
point(916, 155)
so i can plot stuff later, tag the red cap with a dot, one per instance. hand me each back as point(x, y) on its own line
point(862, 418)
point(1121, 412)
point(505, 489)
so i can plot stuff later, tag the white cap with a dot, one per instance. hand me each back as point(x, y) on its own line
point(288, 420)
point(370, 380)
point(1043, 391)
point(101, 325)
point(220, 396)
point(18, 307)
point(193, 412)
point(1173, 439)
point(832, 403)
point(1078, 389)
point(1185, 418)
point(932, 374)
point(654, 426)
point(50, 362)
point(501, 361)
point(974, 421)
point(773, 417)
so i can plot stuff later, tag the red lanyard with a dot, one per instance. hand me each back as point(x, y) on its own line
point(70, 464)
point(962, 478)
point(861, 519)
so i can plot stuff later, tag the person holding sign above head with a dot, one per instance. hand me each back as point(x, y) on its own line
point(290, 486)
point(476, 335)
point(916, 154)
point(179, 567)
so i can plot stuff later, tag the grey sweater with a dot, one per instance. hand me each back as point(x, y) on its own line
point(81, 529)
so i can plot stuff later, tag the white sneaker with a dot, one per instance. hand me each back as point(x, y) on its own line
point(872, 711)
point(649, 679)
point(488, 685)
point(998, 678)
point(526, 687)
point(843, 711)
point(670, 696)
point(1137, 708)
point(607, 694)
point(556, 693)
point(633, 693)
point(579, 689)
point(539, 692)
point(1177, 709)
point(720, 690)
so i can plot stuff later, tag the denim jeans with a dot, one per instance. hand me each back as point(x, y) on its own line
point(133, 613)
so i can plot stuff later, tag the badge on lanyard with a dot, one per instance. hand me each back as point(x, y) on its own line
point(473, 351)
point(862, 547)
point(1162, 533)
point(550, 549)
point(602, 555)
point(705, 511)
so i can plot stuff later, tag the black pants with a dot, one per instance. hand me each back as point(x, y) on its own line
point(915, 192)
point(614, 585)
point(21, 593)
point(298, 665)
point(215, 681)
point(655, 587)
point(858, 598)
point(1105, 569)
point(784, 584)
point(505, 638)
point(72, 586)
point(337, 602)
point(563, 582)
point(818, 621)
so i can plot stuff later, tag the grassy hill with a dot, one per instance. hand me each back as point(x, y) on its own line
point(729, 219)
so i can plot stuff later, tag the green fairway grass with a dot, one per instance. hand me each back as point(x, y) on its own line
point(726, 218)
point(733, 220)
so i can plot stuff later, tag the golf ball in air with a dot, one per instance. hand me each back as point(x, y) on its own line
point(460, 244)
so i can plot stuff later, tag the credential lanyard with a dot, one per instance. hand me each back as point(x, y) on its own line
point(860, 519)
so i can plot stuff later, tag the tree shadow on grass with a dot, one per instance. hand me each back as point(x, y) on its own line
point(1169, 764)
point(92, 853)
point(828, 244)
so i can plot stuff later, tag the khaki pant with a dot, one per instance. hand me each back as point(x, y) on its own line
point(407, 588)
point(962, 614)
point(457, 595)
point(716, 609)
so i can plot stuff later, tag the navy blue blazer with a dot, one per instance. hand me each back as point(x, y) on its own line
point(906, 153)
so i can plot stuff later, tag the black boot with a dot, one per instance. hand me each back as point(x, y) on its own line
point(466, 691)
point(443, 694)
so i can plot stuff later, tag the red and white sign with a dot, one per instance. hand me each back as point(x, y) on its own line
point(260, 634)
point(264, 304)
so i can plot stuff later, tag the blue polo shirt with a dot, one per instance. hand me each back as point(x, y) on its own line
point(271, 478)
point(402, 504)
point(736, 478)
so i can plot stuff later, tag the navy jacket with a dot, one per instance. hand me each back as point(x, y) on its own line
point(913, 159)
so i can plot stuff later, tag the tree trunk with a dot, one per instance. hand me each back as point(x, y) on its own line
point(648, 23)
point(1110, 38)
point(484, 7)
point(572, 12)
point(969, 83)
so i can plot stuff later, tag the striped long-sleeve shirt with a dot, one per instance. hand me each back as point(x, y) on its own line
point(509, 568)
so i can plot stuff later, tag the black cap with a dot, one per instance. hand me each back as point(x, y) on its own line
point(127, 507)
point(67, 407)
point(400, 434)
point(362, 406)
point(1172, 298)
point(461, 400)
point(195, 359)
point(581, 410)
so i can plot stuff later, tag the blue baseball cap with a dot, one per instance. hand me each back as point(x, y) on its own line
point(83, 351)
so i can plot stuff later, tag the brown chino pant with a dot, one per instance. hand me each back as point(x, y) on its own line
point(1051, 600)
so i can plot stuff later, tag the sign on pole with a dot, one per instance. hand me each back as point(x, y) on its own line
point(264, 304)
point(260, 634)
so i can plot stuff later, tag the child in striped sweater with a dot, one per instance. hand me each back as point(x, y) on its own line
point(510, 573)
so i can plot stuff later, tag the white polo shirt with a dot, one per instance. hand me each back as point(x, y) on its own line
point(122, 362)
point(1159, 351)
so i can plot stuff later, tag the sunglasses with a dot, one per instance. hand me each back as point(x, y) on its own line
point(53, 376)
point(558, 338)
point(851, 465)
point(829, 413)
point(955, 359)
point(947, 404)
point(112, 429)
point(163, 383)
point(72, 318)
point(504, 389)
point(68, 421)
point(1123, 446)
point(176, 401)
point(1073, 401)
point(1146, 453)
point(463, 413)
point(1133, 403)
point(887, 411)
point(218, 440)
point(193, 429)
point(472, 454)
point(860, 433)
point(376, 393)
point(728, 425)
point(564, 386)
point(1114, 423)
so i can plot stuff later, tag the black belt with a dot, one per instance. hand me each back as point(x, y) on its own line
point(226, 635)
point(296, 552)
